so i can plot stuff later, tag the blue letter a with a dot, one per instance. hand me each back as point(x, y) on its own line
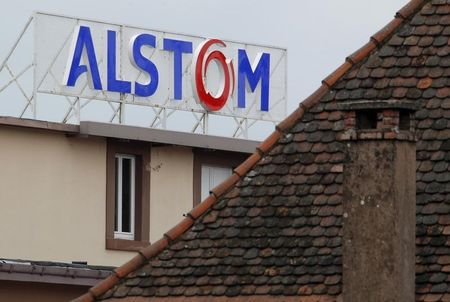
point(84, 40)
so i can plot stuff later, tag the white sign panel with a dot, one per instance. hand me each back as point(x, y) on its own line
point(124, 64)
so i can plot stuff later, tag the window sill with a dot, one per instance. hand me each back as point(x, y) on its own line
point(125, 245)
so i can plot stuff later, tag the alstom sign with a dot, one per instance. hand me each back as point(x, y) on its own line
point(132, 65)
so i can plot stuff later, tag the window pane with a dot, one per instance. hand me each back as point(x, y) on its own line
point(116, 204)
point(126, 195)
point(211, 177)
point(218, 175)
point(205, 182)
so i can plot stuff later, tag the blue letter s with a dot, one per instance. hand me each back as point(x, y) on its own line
point(145, 64)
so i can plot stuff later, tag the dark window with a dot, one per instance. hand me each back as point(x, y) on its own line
point(366, 119)
point(404, 120)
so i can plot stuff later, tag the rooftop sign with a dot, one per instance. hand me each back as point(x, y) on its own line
point(84, 59)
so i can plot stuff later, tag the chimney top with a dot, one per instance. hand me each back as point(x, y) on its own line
point(379, 120)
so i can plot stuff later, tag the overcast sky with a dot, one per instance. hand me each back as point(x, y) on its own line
point(318, 35)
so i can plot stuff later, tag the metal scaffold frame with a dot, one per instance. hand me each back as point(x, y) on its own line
point(77, 104)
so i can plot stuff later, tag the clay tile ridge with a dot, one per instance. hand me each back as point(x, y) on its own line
point(157, 247)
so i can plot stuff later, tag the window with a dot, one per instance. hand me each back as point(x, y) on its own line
point(127, 195)
point(366, 119)
point(211, 167)
point(404, 120)
point(213, 176)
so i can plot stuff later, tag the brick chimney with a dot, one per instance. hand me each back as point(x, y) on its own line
point(379, 202)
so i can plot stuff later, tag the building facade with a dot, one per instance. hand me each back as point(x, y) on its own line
point(97, 193)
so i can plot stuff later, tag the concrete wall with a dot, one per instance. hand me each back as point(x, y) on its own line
point(53, 191)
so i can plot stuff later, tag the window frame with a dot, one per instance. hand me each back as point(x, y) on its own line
point(218, 158)
point(120, 233)
point(141, 152)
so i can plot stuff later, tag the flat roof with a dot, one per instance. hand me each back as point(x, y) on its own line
point(37, 124)
point(168, 137)
point(88, 128)
point(52, 272)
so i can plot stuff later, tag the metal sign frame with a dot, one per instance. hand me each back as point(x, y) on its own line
point(76, 104)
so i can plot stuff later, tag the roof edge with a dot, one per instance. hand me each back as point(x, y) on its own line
point(255, 298)
point(39, 124)
point(129, 132)
point(154, 249)
point(171, 137)
point(51, 272)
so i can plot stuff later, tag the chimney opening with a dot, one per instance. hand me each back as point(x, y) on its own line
point(366, 119)
point(404, 120)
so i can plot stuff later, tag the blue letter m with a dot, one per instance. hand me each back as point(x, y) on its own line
point(254, 75)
